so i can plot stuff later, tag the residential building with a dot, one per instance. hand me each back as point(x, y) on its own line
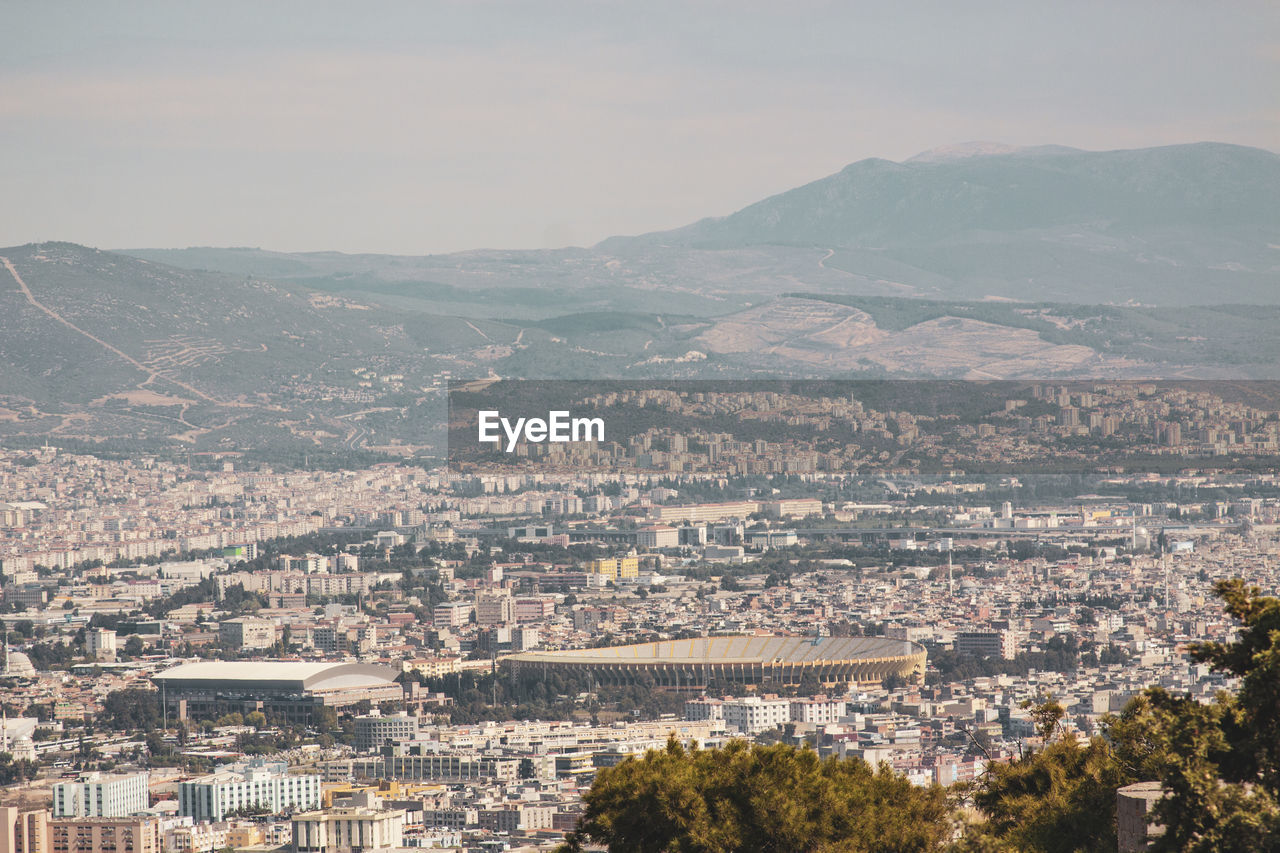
point(451, 614)
point(24, 830)
point(359, 829)
point(245, 633)
point(254, 785)
point(984, 644)
point(100, 795)
point(516, 818)
point(616, 568)
point(374, 730)
point(818, 710)
point(754, 714)
point(796, 507)
point(703, 708)
point(495, 609)
point(106, 835)
point(100, 643)
point(658, 536)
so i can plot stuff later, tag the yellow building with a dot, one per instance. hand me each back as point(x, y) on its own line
point(245, 835)
point(616, 568)
point(389, 789)
point(607, 568)
point(433, 667)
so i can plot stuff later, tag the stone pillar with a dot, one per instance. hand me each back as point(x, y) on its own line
point(1133, 803)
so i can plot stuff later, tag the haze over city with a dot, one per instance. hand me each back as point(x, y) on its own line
point(420, 128)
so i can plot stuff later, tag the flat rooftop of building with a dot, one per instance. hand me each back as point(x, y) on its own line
point(303, 675)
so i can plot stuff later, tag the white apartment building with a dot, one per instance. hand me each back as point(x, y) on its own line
point(256, 784)
point(454, 767)
point(657, 536)
point(795, 507)
point(451, 614)
point(754, 714)
point(308, 563)
point(516, 818)
point(703, 708)
point(433, 667)
point(703, 512)
point(817, 710)
point(191, 837)
point(100, 643)
point(100, 795)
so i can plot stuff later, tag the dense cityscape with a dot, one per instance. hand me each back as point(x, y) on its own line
point(586, 427)
point(203, 654)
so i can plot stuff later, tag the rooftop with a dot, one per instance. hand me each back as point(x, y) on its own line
point(298, 674)
point(737, 650)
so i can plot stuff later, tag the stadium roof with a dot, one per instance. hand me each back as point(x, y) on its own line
point(296, 675)
point(735, 650)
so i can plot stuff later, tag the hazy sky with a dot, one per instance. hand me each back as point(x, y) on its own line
point(427, 127)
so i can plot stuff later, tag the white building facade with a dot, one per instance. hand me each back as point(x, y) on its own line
point(100, 795)
point(753, 714)
point(259, 785)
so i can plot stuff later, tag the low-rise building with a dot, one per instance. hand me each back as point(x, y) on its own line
point(359, 829)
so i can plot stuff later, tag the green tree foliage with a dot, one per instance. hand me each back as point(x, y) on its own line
point(200, 593)
point(16, 771)
point(324, 719)
point(237, 600)
point(1218, 762)
point(1221, 762)
point(756, 798)
point(1061, 654)
point(1060, 799)
point(132, 709)
point(134, 646)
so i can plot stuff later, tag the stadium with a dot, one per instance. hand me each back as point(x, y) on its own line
point(289, 689)
point(694, 664)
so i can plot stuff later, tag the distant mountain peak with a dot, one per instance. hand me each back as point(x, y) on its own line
point(962, 150)
point(982, 148)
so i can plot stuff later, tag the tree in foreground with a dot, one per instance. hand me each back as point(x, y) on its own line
point(1218, 762)
point(747, 797)
point(1058, 799)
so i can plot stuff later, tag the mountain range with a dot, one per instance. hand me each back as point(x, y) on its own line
point(981, 262)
